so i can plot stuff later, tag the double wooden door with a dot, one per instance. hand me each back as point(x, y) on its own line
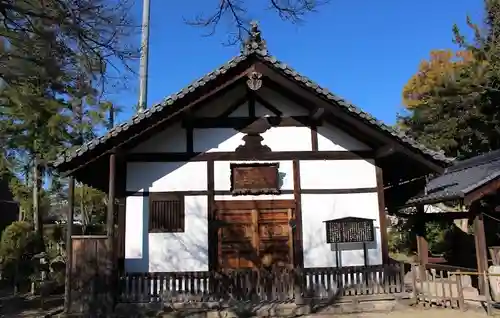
point(254, 237)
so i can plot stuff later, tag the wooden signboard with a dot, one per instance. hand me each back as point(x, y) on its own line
point(349, 230)
point(254, 178)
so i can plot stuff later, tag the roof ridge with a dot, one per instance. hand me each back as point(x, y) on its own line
point(476, 161)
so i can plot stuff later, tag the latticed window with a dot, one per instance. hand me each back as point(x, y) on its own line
point(166, 213)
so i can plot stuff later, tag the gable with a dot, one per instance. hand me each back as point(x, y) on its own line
point(234, 104)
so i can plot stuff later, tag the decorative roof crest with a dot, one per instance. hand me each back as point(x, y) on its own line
point(254, 42)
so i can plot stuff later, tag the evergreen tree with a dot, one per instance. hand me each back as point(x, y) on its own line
point(453, 102)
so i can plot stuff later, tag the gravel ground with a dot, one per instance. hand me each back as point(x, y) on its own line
point(418, 313)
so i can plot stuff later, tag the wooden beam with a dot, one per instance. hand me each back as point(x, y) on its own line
point(256, 204)
point(232, 156)
point(318, 113)
point(314, 138)
point(229, 193)
point(251, 103)
point(68, 284)
point(385, 151)
point(233, 107)
point(488, 188)
point(446, 216)
point(268, 105)
point(239, 123)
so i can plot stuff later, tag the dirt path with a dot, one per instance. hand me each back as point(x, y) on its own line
point(416, 313)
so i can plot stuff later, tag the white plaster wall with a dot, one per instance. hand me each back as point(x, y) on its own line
point(287, 107)
point(219, 106)
point(331, 138)
point(166, 176)
point(172, 139)
point(288, 138)
point(166, 252)
point(216, 139)
point(317, 208)
point(228, 139)
point(337, 174)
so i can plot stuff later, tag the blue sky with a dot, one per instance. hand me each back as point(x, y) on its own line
point(364, 51)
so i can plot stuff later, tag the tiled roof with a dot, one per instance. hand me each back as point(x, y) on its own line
point(461, 179)
point(261, 53)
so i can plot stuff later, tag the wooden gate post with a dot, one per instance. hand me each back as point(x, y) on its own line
point(69, 246)
point(422, 246)
point(110, 230)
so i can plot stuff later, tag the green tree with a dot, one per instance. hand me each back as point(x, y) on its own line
point(57, 60)
point(452, 103)
point(16, 251)
point(90, 206)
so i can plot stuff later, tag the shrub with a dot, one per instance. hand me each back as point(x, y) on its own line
point(17, 247)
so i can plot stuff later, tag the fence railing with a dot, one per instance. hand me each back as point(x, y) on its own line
point(262, 285)
point(438, 285)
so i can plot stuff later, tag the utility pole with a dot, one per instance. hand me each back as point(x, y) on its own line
point(143, 71)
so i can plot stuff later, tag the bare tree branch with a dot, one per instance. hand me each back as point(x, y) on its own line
point(235, 13)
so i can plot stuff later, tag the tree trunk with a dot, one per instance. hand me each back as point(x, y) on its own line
point(36, 206)
point(37, 218)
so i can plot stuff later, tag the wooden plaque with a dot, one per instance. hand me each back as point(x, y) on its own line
point(254, 178)
point(349, 230)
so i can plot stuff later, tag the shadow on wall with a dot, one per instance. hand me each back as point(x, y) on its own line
point(173, 252)
point(318, 253)
point(140, 178)
point(141, 261)
point(188, 251)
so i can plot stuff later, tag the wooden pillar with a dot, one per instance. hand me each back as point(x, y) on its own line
point(422, 245)
point(481, 253)
point(110, 228)
point(384, 237)
point(297, 235)
point(213, 262)
point(69, 245)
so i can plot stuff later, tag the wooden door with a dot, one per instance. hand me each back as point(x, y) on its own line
point(254, 238)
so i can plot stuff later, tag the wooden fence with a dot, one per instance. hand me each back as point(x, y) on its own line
point(262, 285)
point(439, 286)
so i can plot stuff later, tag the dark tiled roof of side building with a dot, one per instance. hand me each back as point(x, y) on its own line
point(461, 179)
point(259, 51)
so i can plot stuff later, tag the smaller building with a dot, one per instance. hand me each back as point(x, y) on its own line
point(473, 185)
